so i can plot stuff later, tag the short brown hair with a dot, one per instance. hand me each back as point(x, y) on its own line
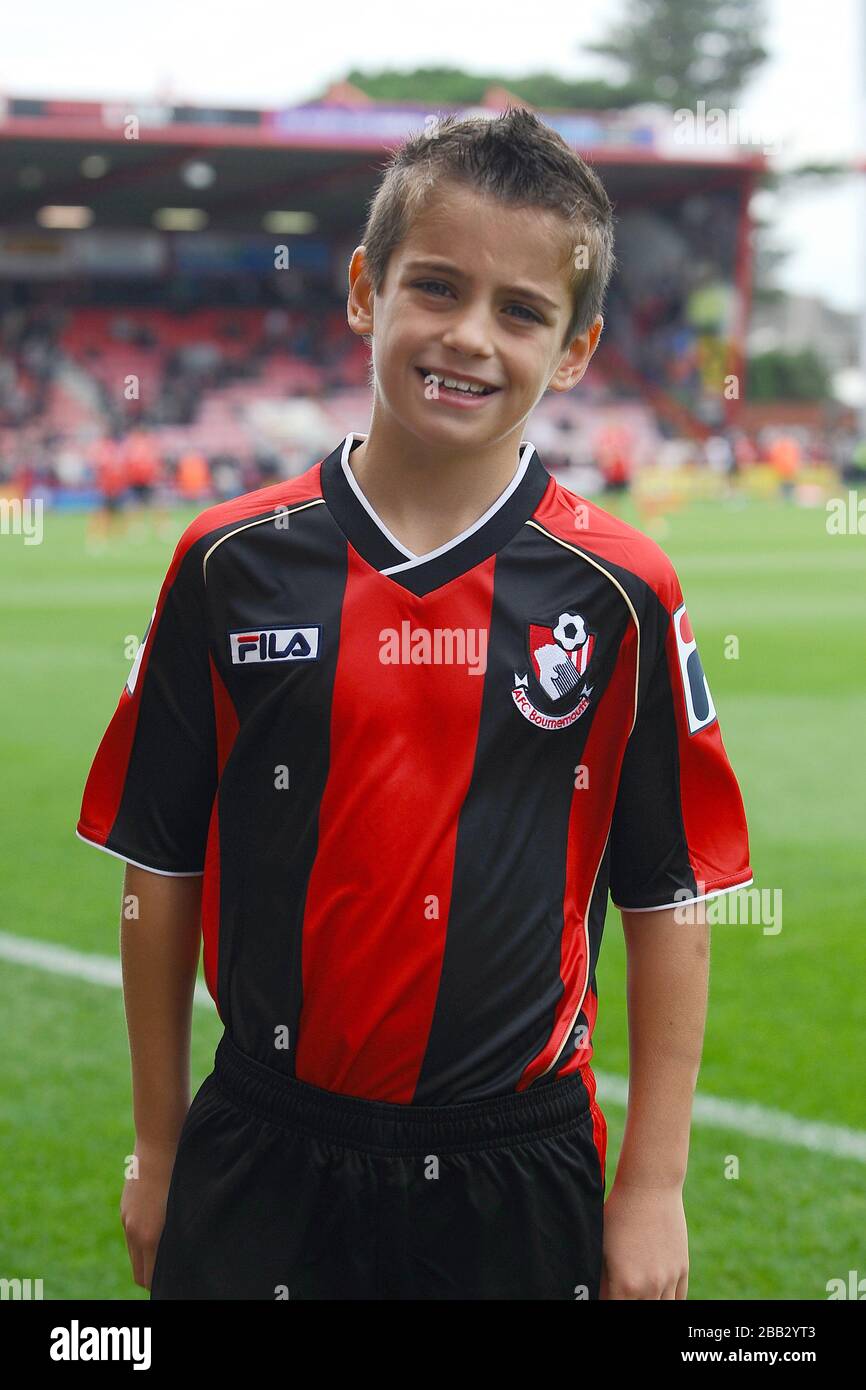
point(515, 157)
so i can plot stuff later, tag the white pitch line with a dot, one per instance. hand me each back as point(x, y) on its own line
point(747, 1118)
point(82, 965)
point(755, 1121)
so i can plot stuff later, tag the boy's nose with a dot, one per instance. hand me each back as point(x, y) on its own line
point(470, 334)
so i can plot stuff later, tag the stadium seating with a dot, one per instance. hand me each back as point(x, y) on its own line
point(240, 384)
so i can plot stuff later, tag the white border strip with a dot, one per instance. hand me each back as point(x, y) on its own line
point(732, 888)
point(587, 957)
point(413, 560)
point(166, 873)
point(748, 1118)
point(280, 509)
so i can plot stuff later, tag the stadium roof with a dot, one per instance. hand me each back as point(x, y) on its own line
point(322, 158)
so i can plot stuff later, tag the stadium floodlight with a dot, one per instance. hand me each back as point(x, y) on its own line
point(68, 218)
point(180, 219)
point(289, 221)
point(197, 174)
point(94, 166)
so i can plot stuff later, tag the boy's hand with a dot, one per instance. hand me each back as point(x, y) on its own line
point(142, 1207)
point(646, 1247)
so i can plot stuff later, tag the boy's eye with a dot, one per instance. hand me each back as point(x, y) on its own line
point(533, 316)
point(531, 312)
point(424, 284)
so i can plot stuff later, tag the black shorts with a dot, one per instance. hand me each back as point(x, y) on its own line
point(281, 1190)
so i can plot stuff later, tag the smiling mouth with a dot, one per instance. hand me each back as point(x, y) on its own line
point(442, 377)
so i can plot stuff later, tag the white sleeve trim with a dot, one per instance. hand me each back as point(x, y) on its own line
point(662, 907)
point(167, 873)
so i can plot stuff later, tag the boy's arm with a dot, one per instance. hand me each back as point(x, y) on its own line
point(645, 1238)
point(678, 836)
point(159, 947)
point(149, 799)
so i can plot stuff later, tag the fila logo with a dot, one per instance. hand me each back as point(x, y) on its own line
point(252, 645)
point(699, 702)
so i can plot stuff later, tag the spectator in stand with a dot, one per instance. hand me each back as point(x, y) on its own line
point(746, 452)
point(850, 456)
point(193, 477)
point(785, 457)
point(614, 449)
point(144, 476)
point(719, 453)
point(24, 475)
point(226, 476)
point(109, 469)
point(276, 326)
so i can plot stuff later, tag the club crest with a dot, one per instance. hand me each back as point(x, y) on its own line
point(552, 692)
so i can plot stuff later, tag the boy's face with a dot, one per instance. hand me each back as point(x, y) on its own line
point(478, 290)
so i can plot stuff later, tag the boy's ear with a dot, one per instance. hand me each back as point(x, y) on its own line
point(577, 358)
point(359, 306)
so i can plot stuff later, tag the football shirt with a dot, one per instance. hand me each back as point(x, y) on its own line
point(410, 782)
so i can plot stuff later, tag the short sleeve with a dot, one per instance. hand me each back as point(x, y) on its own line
point(151, 787)
point(679, 825)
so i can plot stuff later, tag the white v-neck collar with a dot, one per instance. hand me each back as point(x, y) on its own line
point(527, 450)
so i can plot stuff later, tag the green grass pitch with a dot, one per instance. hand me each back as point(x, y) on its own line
point(787, 1010)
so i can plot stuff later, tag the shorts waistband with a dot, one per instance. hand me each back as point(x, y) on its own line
point(386, 1126)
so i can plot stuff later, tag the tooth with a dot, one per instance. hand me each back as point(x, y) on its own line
point(456, 384)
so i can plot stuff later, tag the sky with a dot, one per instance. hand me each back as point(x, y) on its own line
point(810, 94)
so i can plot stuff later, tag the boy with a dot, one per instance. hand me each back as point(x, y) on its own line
point(395, 728)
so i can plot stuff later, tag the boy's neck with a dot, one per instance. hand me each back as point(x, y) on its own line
point(426, 496)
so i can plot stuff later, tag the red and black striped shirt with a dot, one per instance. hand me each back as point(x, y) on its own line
point(410, 782)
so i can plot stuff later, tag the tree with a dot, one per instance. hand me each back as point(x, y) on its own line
point(792, 376)
point(444, 86)
point(686, 51)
